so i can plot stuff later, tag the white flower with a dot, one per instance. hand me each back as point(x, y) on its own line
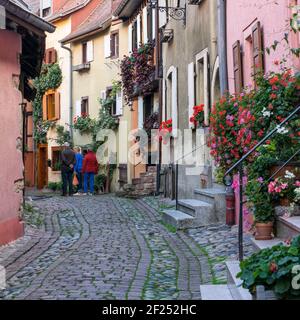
point(282, 130)
point(266, 113)
point(289, 175)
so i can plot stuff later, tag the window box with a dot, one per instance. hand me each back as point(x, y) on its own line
point(82, 67)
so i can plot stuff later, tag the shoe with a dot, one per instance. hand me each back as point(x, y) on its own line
point(90, 194)
point(84, 194)
point(77, 194)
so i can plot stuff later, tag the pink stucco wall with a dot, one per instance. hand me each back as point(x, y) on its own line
point(11, 164)
point(274, 18)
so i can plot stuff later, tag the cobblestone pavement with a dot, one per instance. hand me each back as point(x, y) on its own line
point(104, 247)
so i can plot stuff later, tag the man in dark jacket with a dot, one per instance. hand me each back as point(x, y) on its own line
point(68, 161)
point(89, 169)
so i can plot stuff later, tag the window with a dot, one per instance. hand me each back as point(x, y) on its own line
point(50, 56)
point(84, 106)
point(148, 106)
point(202, 74)
point(149, 24)
point(134, 36)
point(56, 159)
point(114, 44)
point(51, 105)
point(46, 7)
point(50, 101)
point(84, 53)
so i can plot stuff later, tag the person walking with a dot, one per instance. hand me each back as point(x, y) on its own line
point(89, 169)
point(78, 169)
point(68, 161)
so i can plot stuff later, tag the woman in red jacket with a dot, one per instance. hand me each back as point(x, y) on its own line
point(89, 169)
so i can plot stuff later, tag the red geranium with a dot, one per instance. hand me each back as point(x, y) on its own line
point(198, 115)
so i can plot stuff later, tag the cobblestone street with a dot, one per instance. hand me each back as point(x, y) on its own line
point(106, 247)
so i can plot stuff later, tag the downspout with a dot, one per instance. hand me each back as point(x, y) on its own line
point(222, 46)
point(71, 92)
point(158, 75)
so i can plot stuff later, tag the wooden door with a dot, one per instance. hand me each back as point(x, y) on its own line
point(42, 166)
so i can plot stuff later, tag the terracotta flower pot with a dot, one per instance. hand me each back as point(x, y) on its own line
point(264, 231)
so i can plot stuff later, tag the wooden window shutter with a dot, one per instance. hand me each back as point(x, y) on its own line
point(107, 49)
point(45, 118)
point(117, 45)
point(119, 103)
point(53, 58)
point(57, 105)
point(258, 63)
point(89, 51)
point(237, 67)
point(50, 56)
point(46, 57)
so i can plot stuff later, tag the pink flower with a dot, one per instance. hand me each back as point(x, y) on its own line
point(297, 183)
point(284, 186)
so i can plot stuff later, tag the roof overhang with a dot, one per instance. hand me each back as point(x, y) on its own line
point(86, 33)
point(25, 17)
point(58, 16)
point(127, 8)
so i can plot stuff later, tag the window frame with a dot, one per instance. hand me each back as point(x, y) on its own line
point(84, 52)
point(114, 44)
point(55, 149)
point(84, 103)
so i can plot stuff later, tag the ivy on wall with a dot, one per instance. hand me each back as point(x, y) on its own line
point(50, 78)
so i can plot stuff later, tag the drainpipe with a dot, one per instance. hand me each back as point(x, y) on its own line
point(222, 46)
point(71, 92)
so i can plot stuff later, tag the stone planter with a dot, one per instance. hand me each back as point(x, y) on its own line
point(263, 294)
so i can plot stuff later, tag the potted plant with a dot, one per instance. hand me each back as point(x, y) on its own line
point(274, 269)
point(198, 116)
point(165, 131)
point(282, 188)
point(260, 201)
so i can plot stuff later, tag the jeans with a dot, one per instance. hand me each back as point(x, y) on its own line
point(80, 180)
point(89, 178)
point(67, 180)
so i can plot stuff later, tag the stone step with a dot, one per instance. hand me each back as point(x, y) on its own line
point(216, 197)
point(178, 219)
point(288, 227)
point(202, 211)
point(152, 169)
point(234, 284)
point(136, 181)
point(215, 292)
point(264, 244)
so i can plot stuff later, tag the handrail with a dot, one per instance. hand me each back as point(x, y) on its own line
point(177, 170)
point(239, 165)
point(269, 135)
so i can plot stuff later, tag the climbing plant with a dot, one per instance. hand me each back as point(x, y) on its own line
point(62, 135)
point(137, 71)
point(50, 78)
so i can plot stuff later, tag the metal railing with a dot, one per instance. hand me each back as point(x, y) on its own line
point(239, 166)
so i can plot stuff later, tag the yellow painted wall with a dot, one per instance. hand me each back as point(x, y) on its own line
point(100, 76)
point(63, 28)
